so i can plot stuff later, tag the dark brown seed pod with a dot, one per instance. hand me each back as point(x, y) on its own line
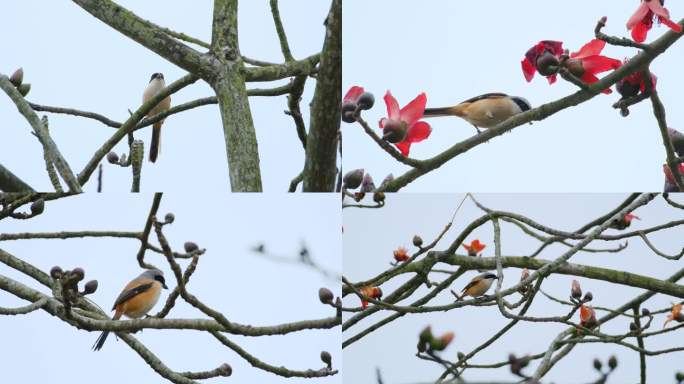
point(325, 295)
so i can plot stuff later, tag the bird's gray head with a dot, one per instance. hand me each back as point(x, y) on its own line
point(157, 75)
point(488, 275)
point(522, 103)
point(154, 274)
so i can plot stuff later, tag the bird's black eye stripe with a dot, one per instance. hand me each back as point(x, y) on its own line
point(160, 279)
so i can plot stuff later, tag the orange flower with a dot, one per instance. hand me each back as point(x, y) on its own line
point(676, 314)
point(442, 342)
point(474, 248)
point(401, 254)
point(524, 274)
point(587, 316)
point(372, 292)
point(447, 337)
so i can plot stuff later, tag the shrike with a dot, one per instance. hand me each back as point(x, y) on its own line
point(484, 111)
point(136, 299)
point(479, 285)
point(153, 88)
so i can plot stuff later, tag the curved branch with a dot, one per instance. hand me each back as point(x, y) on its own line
point(41, 132)
point(637, 63)
point(280, 371)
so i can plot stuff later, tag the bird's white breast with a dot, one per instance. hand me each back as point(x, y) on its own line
point(154, 87)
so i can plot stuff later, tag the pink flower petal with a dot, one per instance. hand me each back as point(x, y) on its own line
point(392, 106)
point(591, 48)
point(528, 69)
point(640, 31)
point(638, 15)
point(353, 94)
point(418, 132)
point(658, 9)
point(382, 121)
point(674, 26)
point(589, 78)
point(668, 173)
point(414, 110)
point(598, 64)
point(404, 147)
point(556, 47)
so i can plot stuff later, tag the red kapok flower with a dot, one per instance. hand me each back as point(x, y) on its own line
point(642, 20)
point(587, 62)
point(633, 84)
point(524, 274)
point(372, 292)
point(629, 217)
point(624, 221)
point(401, 254)
point(474, 248)
point(543, 57)
point(402, 126)
point(668, 173)
point(587, 316)
point(676, 314)
point(353, 94)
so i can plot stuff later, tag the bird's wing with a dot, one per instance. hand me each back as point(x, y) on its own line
point(129, 293)
point(470, 285)
point(493, 95)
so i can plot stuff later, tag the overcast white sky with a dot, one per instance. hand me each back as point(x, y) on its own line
point(453, 50)
point(247, 288)
point(74, 60)
point(371, 235)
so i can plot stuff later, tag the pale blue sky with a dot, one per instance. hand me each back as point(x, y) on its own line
point(453, 50)
point(74, 60)
point(370, 236)
point(247, 288)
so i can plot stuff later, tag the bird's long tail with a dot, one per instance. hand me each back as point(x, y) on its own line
point(456, 110)
point(103, 336)
point(100, 341)
point(155, 146)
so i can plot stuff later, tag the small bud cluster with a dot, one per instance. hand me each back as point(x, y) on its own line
point(354, 102)
point(69, 280)
point(17, 80)
point(612, 364)
point(358, 178)
point(634, 327)
point(576, 294)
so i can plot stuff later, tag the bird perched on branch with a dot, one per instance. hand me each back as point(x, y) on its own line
point(153, 88)
point(484, 111)
point(478, 286)
point(137, 298)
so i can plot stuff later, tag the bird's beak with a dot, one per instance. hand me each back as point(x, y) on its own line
point(164, 286)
